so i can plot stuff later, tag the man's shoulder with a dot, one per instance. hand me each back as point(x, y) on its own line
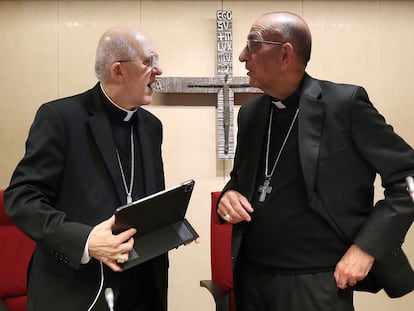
point(79, 97)
point(76, 106)
point(329, 85)
point(256, 102)
point(74, 102)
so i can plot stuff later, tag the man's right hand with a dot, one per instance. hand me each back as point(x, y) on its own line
point(110, 248)
point(234, 207)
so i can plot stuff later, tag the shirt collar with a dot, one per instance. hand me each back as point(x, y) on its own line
point(292, 101)
point(127, 114)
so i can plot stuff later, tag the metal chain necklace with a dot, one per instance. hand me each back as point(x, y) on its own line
point(128, 192)
point(266, 188)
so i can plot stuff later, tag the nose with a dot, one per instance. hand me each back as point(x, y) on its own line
point(157, 69)
point(244, 55)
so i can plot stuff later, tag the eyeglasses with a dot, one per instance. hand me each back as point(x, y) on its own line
point(151, 61)
point(253, 44)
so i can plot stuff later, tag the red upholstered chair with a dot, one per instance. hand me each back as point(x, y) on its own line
point(221, 283)
point(16, 249)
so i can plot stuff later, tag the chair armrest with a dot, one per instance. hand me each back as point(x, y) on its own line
point(221, 297)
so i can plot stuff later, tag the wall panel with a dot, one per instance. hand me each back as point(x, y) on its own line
point(48, 50)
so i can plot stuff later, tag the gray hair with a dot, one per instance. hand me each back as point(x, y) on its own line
point(111, 48)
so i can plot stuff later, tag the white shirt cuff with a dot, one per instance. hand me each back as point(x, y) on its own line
point(85, 257)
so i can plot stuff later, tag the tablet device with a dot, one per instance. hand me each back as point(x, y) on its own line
point(160, 223)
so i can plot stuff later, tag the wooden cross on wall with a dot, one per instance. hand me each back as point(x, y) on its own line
point(225, 85)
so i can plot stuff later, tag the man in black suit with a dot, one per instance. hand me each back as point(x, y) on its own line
point(306, 231)
point(85, 156)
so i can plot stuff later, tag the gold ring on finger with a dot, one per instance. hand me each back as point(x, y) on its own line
point(121, 258)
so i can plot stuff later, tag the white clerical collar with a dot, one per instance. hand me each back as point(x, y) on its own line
point(129, 113)
point(278, 104)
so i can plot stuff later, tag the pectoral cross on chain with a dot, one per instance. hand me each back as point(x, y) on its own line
point(264, 190)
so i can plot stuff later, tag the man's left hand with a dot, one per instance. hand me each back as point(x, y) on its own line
point(353, 267)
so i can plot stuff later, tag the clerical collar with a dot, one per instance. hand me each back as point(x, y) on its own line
point(278, 103)
point(292, 101)
point(129, 113)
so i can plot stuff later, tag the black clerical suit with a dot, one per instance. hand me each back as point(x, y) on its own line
point(68, 181)
point(342, 143)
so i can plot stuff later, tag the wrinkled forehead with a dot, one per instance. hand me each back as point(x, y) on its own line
point(256, 32)
point(264, 27)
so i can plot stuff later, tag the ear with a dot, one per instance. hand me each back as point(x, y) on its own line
point(287, 55)
point(116, 72)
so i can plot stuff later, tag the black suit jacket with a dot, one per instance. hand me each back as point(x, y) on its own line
point(67, 182)
point(343, 143)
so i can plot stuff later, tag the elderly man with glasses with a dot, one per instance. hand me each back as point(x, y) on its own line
point(306, 231)
point(85, 156)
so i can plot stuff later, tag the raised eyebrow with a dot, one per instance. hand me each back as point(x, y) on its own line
point(254, 37)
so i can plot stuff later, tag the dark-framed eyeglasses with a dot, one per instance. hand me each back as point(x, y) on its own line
point(151, 62)
point(253, 44)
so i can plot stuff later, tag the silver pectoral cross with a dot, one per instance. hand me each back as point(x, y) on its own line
point(264, 190)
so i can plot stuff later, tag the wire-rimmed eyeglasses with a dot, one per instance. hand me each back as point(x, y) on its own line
point(252, 44)
point(151, 61)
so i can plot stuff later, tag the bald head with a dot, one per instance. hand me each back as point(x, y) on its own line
point(118, 43)
point(288, 27)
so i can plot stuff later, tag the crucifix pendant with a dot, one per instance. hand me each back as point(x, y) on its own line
point(129, 198)
point(264, 190)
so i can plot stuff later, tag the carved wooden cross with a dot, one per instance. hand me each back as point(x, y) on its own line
point(225, 85)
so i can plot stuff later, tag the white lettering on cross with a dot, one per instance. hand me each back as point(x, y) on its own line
point(224, 85)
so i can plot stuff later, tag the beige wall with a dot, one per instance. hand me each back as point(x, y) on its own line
point(47, 51)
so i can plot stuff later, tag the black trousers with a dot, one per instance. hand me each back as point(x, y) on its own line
point(138, 291)
point(259, 290)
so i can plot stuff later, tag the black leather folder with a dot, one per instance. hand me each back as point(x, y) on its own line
point(160, 223)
